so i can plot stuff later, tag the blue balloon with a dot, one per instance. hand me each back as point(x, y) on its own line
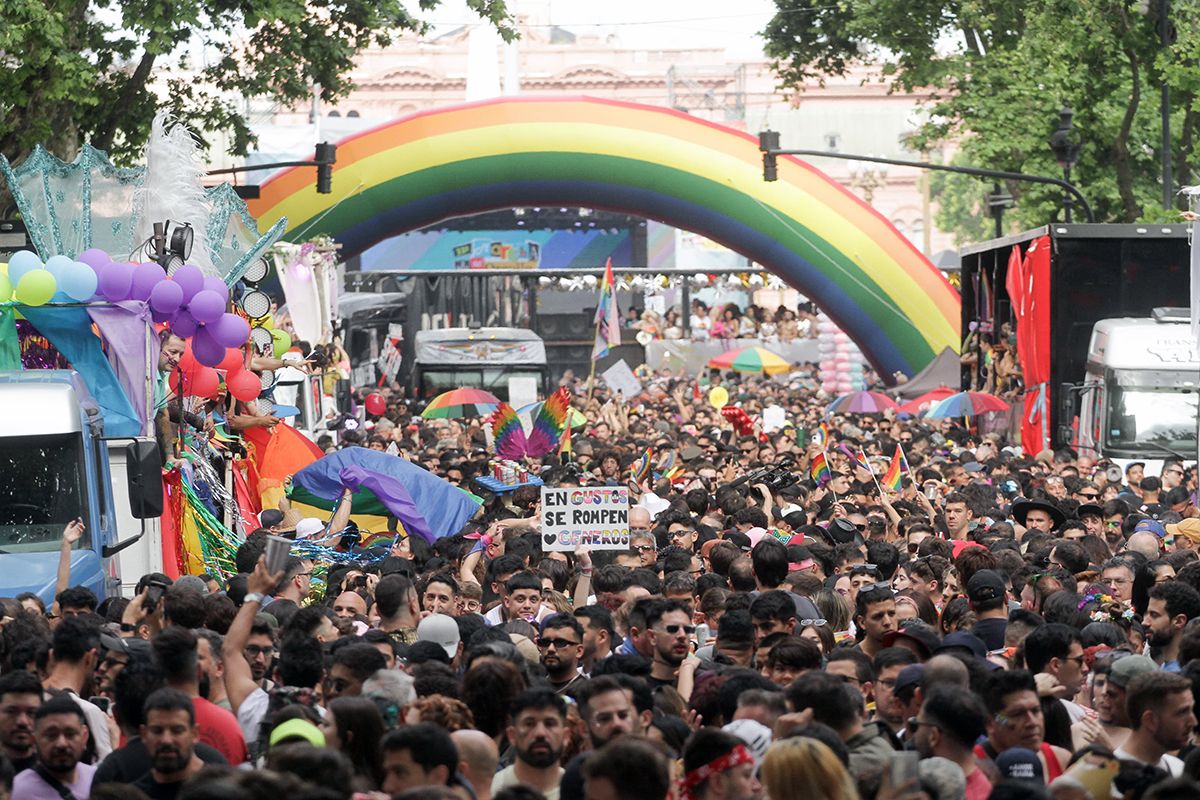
point(21, 262)
point(79, 282)
point(58, 266)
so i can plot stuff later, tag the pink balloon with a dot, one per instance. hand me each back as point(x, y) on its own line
point(230, 330)
point(207, 306)
point(208, 352)
point(190, 279)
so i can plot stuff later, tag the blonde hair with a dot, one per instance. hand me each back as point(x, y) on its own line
point(801, 769)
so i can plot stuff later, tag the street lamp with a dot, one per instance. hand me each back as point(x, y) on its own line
point(1066, 151)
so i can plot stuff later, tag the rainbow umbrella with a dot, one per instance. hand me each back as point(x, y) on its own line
point(927, 400)
point(751, 359)
point(461, 403)
point(862, 403)
point(967, 404)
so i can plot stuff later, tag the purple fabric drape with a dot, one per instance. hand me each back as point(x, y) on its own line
point(132, 349)
point(393, 495)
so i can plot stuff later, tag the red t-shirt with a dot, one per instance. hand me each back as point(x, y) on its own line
point(978, 786)
point(219, 729)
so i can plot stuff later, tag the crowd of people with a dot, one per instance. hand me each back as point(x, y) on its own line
point(1006, 625)
point(728, 321)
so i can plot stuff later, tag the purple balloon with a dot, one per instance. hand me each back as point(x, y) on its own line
point(207, 307)
point(166, 297)
point(217, 285)
point(158, 316)
point(190, 279)
point(230, 330)
point(207, 351)
point(184, 325)
point(116, 280)
point(95, 258)
point(145, 277)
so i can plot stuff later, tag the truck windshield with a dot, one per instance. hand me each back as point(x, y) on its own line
point(42, 488)
point(1140, 417)
point(491, 379)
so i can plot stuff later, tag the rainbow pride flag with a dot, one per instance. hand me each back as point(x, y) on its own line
point(819, 469)
point(891, 478)
point(608, 319)
point(820, 435)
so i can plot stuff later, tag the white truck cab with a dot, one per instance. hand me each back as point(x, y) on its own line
point(1139, 399)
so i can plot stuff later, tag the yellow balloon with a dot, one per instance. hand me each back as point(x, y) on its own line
point(36, 287)
point(6, 288)
point(718, 398)
point(3, 267)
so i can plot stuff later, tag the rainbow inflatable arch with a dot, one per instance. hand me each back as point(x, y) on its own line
point(653, 162)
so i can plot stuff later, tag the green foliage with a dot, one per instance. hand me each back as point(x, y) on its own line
point(71, 69)
point(1000, 71)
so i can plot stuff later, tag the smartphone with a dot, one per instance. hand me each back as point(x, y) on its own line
point(154, 593)
point(904, 768)
point(99, 702)
point(702, 634)
point(931, 492)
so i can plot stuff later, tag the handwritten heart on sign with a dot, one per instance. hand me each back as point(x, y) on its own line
point(550, 538)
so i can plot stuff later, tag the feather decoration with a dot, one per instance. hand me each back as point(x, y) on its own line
point(508, 433)
point(548, 424)
point(171, 188)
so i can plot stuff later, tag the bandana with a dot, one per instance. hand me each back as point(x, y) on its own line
point(735, 757)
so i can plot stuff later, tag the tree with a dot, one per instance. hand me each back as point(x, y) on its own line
point(1001, 69)
point(75, 69)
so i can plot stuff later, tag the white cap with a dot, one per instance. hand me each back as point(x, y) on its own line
point(440, 629)
point(756, 736)
point(309, 527)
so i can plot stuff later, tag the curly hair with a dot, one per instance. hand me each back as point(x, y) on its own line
point(446, 712)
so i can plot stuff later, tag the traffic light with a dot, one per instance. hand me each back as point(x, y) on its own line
point(768, 143)
point(326, 158)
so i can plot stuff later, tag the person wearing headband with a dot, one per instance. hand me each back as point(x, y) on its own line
point(718, 766)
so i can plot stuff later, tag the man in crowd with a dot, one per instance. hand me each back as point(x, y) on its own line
point(536, 732)
point(1162, 716)
point(60, 735)
point(949, 723)
point(20, 698)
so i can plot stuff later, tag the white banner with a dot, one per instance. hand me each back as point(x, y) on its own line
point(597, 517)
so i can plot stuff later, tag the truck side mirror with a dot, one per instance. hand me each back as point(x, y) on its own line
point(143, 472)
point(1066, 402)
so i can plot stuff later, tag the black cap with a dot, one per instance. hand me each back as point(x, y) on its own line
point(985, 585)
point(842, 531)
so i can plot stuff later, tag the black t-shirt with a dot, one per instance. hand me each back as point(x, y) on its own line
point(20, 764)
point(571, 785)
point(158, 791)
point(128, 763)
point(991, 631)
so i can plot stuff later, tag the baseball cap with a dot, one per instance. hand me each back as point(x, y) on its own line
point(1188, 528)
point(1152, 525)
point(300, 729)
point(909, 677)
point(984, 586)
point(1019, 764)
point(925, 637)
point(967, 641)
point(439, 629)
point(125, 646)
point(1126, 669)
point(309, 526)
point(756, 736)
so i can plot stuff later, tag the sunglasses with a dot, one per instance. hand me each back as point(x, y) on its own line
point(641, 548)
point(674, 629)
point(877, 587)
point(812, 623)
point(557, 644)
point(862, 569)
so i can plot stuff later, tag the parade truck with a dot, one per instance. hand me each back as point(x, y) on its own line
point(56, 466)
point(497, 360)
point(1078, 302)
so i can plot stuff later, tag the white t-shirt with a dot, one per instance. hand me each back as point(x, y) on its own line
point(97, 722)
point(250, 714)
point(1168, 763)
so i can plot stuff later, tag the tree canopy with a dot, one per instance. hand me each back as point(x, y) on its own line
point(1000, 70)
point(76, 69)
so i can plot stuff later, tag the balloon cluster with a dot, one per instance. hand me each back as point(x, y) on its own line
point(192, 305)
point(841, 362)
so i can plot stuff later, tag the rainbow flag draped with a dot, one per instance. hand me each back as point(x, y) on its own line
point(608, 319)
point(895, 471)
point(819, 469)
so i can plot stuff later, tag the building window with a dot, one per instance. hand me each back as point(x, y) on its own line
point(335, 113)
point(351, 114)
point(833, 141)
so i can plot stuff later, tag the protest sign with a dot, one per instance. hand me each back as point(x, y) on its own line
point(620, 378)
point(597, 517)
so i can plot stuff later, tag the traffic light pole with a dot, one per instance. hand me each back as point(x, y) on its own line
point(768, 143)
point(326, 157)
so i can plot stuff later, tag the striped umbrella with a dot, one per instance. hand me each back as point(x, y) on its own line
point(967, 404)
point(927, 400)
point(751, 359)
point(862, 403)
point(461, 403)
